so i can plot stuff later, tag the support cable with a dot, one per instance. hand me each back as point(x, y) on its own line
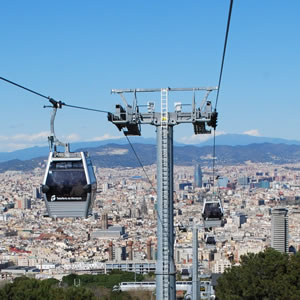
point(224, 52)
point(86, 108)
point(219, 86)
point(142, 166)
point(51, 100)
point(214, 159)
point(23, 87)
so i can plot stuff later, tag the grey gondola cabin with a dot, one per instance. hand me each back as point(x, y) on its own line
point(212, 213)
point(69, 185)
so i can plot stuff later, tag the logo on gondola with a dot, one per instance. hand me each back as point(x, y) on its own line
point(53, 198)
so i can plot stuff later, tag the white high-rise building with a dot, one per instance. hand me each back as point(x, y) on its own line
point(221, 265)
point(280, 230)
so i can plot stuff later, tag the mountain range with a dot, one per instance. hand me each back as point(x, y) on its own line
point(121, 154)
point(245, 139)
point(221, 140)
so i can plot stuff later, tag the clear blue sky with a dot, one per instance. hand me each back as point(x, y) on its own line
point(77, 51)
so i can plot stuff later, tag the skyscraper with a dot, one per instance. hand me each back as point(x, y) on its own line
point(144, 209)
point(280, 229)
point(104, 221)
point(197, 176)
point(35, 193)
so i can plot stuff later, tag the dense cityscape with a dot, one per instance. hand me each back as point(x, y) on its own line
point(121, 233)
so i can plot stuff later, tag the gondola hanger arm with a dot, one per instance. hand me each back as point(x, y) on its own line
point(53, 140)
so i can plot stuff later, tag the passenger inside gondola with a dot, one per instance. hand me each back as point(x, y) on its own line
point(212, 211)
point(66, 180)
point(210, 240)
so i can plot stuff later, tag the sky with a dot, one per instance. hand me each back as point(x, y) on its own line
point(77, 51)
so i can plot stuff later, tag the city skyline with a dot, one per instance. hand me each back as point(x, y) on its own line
point(120, 223)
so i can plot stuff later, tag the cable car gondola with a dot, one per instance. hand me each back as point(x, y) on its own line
point(212, 213)
point(69, 184)
point(210, 240)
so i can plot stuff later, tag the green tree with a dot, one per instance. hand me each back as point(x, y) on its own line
point(293, 276)
point(104, 280)
point(91, 287)
point(268, 275)
point(25, 288)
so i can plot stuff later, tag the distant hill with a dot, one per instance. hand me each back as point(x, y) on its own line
point(116, 155)
point(222, 140)
point(245, 139)
point(33, 152)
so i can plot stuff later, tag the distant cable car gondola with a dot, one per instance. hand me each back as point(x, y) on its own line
point(210, 240)
point(69, 184)
point(212, 213)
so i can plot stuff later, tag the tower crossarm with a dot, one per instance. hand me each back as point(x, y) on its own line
point(130, 117)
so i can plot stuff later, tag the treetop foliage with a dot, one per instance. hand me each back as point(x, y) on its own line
point(268, 275)
point(24, 288)
point(104, 280)
point(91, 287)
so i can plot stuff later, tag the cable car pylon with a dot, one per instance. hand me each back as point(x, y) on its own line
point(129, 119)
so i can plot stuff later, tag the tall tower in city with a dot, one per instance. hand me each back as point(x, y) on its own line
point(144, 209)
point(280, 229)
point(197, 176)
point(104, 221)
point(35, 193)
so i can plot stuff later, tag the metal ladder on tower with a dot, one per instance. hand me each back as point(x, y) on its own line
point(165, 192)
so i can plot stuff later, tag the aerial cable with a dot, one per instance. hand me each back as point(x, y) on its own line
point(25, 88)
point(214, 159)
point(57, 104)
point(224, 52)
point(142, 166)
point(86, 108)
point(219, 86)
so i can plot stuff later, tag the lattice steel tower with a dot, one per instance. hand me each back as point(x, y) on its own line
point(129, 119)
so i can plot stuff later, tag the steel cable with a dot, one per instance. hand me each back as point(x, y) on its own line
point(51, 99)
point(219, 86)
